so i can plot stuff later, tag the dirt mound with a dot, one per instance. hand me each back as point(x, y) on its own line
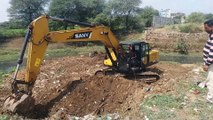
point(69, 83)
point(97, 95)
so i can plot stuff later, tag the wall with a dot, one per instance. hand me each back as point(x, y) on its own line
point(168, 41)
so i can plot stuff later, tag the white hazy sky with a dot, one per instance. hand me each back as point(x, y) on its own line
point(4, 5)
point(185, 6)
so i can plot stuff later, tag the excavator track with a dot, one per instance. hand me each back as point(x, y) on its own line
point(145, 76)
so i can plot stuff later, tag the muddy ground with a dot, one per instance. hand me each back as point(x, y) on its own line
point(68, 87)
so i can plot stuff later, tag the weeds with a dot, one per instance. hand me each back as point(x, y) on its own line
point(183, 104)
point(1, 76)
point(182, 47)
point(190, 28)
point(203, 91)
point(4, 117)
point(164, 101)
point(201, 110)
point(161, 106)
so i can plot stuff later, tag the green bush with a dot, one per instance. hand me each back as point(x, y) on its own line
point(190, 28)
point(195, 17)
point(182, 47)
point(11, 33)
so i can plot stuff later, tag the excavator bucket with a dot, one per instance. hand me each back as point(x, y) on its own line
point(22, 104)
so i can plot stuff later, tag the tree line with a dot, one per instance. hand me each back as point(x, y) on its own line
point(119, 15)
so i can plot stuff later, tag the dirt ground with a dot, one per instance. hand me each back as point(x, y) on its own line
point(68, 87)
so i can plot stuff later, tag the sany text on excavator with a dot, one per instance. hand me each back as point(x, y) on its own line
point(126, 57)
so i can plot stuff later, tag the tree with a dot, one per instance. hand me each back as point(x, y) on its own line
point(195, 17)
point(78, 10)
point(208, 16)
point(147, 14)
point(123, 10)
point(26, 10)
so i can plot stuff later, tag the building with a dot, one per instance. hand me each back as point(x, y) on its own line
point(165, 13)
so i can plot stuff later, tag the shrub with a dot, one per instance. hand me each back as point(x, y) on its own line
point(195, 17)
point(190, 28)
point(11, 33)
point(182, 47)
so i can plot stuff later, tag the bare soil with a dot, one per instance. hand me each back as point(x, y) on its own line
point(69, 84)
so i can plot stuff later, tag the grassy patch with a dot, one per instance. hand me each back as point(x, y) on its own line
point(194, 54)
point(11, 117)
point(4, 73)
point(164, 101)
point(4, 117)
point(203, 91)
point(73, 51)
point(8, 55)
point(161, 106)
point(191, 58)
point(167, 107)
point(202, 110)
point(195, 105)
point(1, 76)
point(182, 104)
point(184, 28)
point(190, 28)
point(11, 33)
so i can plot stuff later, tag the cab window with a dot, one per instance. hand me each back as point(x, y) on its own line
point(145, 49)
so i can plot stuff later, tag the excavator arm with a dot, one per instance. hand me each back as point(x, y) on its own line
point(41, 37)
point(37, 39)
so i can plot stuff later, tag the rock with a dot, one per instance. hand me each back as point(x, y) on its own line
point(60, 115)
point(147, 89)
point(92, 54)
point(52, 72)
point(187, 65)
point(113, 116)
point(88, 117)
point(202, 84)
point(195, 91)
point(146, 118)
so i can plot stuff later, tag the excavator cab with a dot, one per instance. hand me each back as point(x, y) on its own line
point(134, 57)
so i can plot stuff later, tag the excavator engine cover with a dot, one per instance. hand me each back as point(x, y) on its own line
point(22, 104)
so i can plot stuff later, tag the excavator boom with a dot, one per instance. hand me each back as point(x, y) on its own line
point(37, 39)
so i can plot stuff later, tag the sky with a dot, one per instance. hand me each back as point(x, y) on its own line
point(185, 6)
point(3, 10)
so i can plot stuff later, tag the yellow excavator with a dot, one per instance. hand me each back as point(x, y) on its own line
point(124, 57)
